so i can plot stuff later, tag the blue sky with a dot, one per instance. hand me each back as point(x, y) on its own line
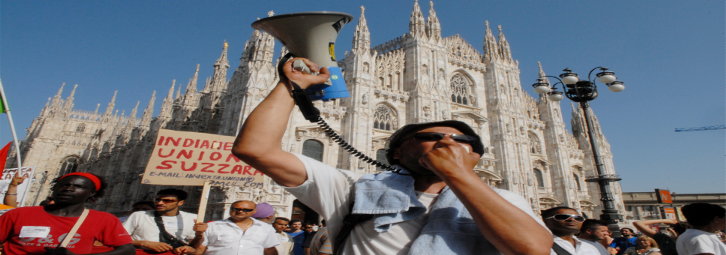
point(669, 53)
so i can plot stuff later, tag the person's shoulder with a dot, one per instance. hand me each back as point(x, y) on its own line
point(20, 211)
point(101, 214)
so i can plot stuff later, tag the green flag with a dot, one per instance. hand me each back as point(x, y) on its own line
point(3, 109)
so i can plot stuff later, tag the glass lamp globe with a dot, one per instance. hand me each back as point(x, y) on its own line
point(616, 86)
point(606, 77)
point(569, 78)
point(555, 96)
point(541, 88)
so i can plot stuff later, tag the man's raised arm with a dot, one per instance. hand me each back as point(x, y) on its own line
point(259, 142)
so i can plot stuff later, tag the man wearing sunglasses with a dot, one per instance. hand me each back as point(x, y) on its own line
point(565, 222)
point(166, 229)
point(240, 234)
point(436, 204)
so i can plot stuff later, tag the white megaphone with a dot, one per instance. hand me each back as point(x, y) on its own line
point(312, 35)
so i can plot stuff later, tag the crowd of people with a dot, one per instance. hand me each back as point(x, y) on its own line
point(433, 203)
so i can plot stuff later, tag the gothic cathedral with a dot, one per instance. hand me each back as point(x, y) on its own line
point(417, 77)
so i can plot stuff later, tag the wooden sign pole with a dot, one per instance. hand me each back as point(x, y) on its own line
point(203, 202)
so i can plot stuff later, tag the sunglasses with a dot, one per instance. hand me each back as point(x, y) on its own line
point(242, 210)
point(434, 136)
point(166, 201)
point(564, 217)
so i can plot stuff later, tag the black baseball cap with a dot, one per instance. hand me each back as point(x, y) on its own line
point(404, 133)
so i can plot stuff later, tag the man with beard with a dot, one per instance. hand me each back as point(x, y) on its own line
point(565, 222)
point(164, 229)
point(434, 204)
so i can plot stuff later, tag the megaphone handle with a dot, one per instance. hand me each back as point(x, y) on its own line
point(303, 102)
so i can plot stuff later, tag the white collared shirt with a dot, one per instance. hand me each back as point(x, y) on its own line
point(226, 238)
point(580, 248)
point(141, 226)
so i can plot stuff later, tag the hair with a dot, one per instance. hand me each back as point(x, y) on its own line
point(149, 203)
point(591, 224)
point(550, 212)
point(702, 214)
point(651, 242)
point(405, 132)
point(98, 193)
point(295, 221)
point(631, 230)
point(179, 194)
point(282, 218)
point(679, 227)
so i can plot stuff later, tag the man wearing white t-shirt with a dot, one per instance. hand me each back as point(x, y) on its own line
point(240, 234)
point(143, 226)
point(706, 219)
point(565, 222)
point(434, 204)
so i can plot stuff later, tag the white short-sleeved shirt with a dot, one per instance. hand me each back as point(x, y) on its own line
point(602, 249)
point(226, 238)
point(141, 226)
point(580, 248)
point(695, 241)
point(327, 191)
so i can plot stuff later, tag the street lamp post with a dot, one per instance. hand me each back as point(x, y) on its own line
point(583, 91)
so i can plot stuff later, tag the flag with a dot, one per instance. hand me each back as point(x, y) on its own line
point(4, 156)
point(3, 109)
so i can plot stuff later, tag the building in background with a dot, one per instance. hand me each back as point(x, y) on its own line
point(645, 205)
point(417, 77)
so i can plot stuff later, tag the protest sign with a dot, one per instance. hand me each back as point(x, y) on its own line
point(8, 175)
point(190, 159)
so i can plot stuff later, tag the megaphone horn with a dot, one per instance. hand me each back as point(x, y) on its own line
point(312, 35)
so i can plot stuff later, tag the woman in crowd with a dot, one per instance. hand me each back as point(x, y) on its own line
point(42, 229)
point(644, 246)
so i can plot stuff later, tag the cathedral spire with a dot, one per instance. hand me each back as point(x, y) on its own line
point(490, 44)
point(416, 23)
point(69, 100)
point(166, 105)
point(433, 27)
point(111, 104)
point(192, 85)
point(259, 48)
point(56, 103)
point(362, 37)
point(146, 118)
point(135, 110)
point(504, 46)
point(219, 77)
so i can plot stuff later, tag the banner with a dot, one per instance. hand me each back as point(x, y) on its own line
point(190, 158)
point(8, 175)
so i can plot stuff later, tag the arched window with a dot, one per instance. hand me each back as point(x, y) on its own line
point(69, 165)
point(80, 128)
point(313, 148)
point(385, 118)
point(461, 90)
point(381, 157)
point(577, 181)
point(540, 178)
point(535, 147)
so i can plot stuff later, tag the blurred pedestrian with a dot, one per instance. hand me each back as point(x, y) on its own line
point(297, 234)
point(265, 213)
point(593, 232)
point(705, 220)
point(138, 206)
point(645, 245)
point(626, 240)
point(666, 242)
point(280, 225)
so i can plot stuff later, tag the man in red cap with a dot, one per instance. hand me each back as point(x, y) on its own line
point(47, 229)
point(436, 203)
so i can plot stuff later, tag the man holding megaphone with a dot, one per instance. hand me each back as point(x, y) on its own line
point(436, 204)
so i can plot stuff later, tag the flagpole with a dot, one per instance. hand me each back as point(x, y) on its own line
point(15, 136)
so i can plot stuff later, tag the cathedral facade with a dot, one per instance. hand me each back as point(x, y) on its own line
point(417, 77)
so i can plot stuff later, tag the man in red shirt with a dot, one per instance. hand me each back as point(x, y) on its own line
point(41, 229)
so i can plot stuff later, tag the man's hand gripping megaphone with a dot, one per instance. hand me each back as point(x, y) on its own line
point(304, 73)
